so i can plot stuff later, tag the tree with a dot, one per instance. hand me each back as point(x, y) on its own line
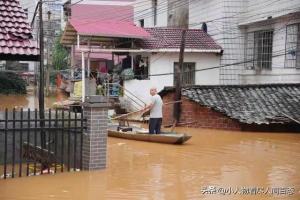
point(59, 55)
point(11, 83)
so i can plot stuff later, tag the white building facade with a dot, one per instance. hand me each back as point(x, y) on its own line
point(160, 56)
point(161, 72)
point(260, 38)
point(161, 13)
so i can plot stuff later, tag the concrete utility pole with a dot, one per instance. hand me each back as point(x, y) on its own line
point(178, 80)
point(41, 81)
point(49, 45)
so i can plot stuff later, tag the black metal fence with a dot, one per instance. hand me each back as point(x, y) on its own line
point(33, 146)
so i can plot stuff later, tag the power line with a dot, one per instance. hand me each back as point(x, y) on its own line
point(221, 66)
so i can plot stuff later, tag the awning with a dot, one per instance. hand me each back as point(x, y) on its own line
point(101, 30)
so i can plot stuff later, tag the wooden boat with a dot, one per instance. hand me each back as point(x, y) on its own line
point(142, 135)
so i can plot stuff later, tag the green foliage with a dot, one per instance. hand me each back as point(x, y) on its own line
point(53, 78)
point(59, 55)
point(11, 83)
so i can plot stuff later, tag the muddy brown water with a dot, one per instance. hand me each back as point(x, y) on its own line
point(146, 171)
point(29, 100)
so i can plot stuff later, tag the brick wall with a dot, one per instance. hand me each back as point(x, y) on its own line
point(95, 138)
point(202, 117)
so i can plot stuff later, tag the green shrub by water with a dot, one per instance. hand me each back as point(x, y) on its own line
point(11, 83)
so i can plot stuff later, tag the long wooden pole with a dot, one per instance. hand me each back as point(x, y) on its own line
point(83, 76)
point(172, 102)
point(125, 115)
point(178, 80)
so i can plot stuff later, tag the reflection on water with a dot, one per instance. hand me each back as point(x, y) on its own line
point(29, 100)
point(139, 170)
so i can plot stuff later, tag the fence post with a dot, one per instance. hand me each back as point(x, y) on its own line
point(95, 111)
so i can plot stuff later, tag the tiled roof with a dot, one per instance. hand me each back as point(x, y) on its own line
point(15, 32)
point(170, 38)
point(250, 104)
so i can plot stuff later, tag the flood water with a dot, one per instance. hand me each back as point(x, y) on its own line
point(30, 100)
point(146, 171)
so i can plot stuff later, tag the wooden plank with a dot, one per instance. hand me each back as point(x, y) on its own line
point(43, 156)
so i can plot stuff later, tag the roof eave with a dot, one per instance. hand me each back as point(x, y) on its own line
point(187, 50)
point(112, 36)
point(19, 57)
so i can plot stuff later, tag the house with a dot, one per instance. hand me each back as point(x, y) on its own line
point(268, 107)
point(87, 11)
point(259, 70)
point(16, 41)
point(99, 37)
point(160, 54)
point(260, 38)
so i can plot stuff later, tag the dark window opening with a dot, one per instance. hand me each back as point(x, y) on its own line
point(142, 22)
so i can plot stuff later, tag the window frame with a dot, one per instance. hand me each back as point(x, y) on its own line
point(193, 71)
point(259, 56)
point(297, 47)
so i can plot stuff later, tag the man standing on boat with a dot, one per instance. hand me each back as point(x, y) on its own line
point(155, 108)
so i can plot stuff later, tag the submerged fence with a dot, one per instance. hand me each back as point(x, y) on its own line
point(33, 146)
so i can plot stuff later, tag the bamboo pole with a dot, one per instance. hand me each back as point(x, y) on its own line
point(128, 114)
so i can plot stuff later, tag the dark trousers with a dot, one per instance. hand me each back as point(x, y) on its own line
point(155, 125)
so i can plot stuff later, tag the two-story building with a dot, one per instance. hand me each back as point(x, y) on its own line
point(165, 20)
point(259, 70)
point(260, 38)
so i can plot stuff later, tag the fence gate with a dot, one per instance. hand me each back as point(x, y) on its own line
point(31, 146)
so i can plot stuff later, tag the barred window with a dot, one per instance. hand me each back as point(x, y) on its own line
point(292, 46)
point(259, 46)
point(188, 73)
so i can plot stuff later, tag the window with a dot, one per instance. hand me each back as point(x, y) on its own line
point(142, 23)
point(259, 48)
point(24, 66)
point(188, 73)
point(292, 46)
point(154, 6)
point(263, 43)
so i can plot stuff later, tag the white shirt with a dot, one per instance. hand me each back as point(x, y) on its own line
point(156, 111)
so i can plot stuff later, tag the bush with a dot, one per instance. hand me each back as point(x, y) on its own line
point(11, 83)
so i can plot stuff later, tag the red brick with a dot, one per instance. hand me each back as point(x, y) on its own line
point(203, 116)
